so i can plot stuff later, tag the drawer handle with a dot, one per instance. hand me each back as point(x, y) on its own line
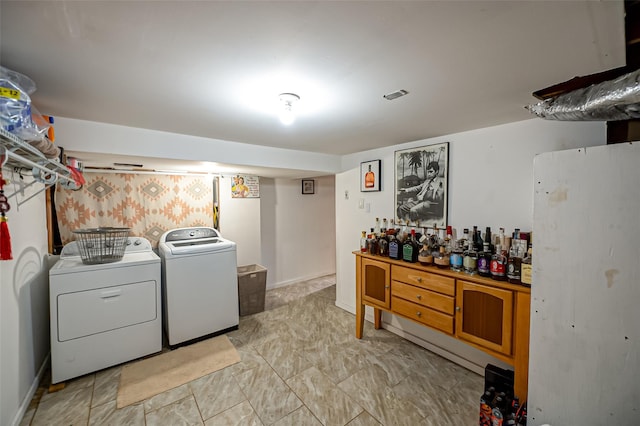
point(386, 287)
point(418, 314)
point(110, 293)
point(457, 308)
point(419, 279)
point(419, 297)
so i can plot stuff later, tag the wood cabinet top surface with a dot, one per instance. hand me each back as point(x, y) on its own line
point(448, 273)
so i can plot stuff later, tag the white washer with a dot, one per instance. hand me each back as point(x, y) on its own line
point(104, 314)
point(199, 283)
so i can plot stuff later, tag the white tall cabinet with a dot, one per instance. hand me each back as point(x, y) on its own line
point(584, 363)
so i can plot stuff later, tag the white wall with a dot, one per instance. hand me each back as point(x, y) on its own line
point(240, 222)
point(490, 184)
point(24, 306)
point(298, 231)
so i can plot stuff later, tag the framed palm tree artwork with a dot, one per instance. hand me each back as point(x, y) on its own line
point(421, 177)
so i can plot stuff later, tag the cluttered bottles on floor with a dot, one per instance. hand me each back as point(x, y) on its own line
point(498, 405)
point(500, 257)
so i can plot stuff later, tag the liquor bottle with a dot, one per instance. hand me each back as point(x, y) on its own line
point(485, 407)
point(376, 228)
point(383, 244)
point(497, 416)
point(487, 238)
point(441, 259)
point(363, 242)
point(425, 257)
point(455, 259)
point(372, 243)
point(526, 268)
point(395, 251)
point(410, 248)
point(477, 239)
point(449, 235)
point(465, 239)
point(498, 264)
point(513, 263)
point(470, 260)
point(501, 237)
point(384, 225)
point(484, 260)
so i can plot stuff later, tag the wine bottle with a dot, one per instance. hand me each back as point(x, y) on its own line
point(410, 248)
point(484, 260)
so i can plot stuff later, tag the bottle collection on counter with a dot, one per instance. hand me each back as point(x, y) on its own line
point(500, 257)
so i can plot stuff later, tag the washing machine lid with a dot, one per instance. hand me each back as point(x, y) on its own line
point(186, 234)
point(200, 245)
point(185, 241)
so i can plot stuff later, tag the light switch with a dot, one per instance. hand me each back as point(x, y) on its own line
point(346, 194)
point(367, 207)
point(361, 203)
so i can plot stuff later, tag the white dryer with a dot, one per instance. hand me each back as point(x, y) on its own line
point(104, 314)
point(199, 283)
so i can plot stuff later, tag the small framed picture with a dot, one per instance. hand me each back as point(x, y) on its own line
point(308, 186)
point(370, 176)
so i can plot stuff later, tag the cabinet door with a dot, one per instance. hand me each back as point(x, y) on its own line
point(376, 283)
point(484, 316)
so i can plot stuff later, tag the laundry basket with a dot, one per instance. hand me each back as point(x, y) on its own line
point(252, 283)
point(101, 245)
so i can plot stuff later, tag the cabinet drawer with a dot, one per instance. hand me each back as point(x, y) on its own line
point(422, 314)
point(423, 297)
point(444, 285)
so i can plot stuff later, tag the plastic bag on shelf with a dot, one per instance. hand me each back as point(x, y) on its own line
point(16, 111)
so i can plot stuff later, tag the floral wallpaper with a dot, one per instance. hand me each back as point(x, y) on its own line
point(149, 204)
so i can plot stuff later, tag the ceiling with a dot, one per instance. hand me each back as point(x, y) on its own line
point(215, 69)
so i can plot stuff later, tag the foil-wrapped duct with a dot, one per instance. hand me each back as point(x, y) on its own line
point(612, 100)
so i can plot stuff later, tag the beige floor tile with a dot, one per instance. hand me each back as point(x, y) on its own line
point(364, 419)
point(105, 387)
point(324, 400)
point(107, 415)
point(166, 398)
point(268, 394)
point(238, 415)
point(302, 416)
point(69, 406)
point(216, 392)
point(180, 413)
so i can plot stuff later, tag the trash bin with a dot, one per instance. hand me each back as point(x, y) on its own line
point(252, 283)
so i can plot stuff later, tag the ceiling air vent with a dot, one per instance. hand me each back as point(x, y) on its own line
point(394, 95)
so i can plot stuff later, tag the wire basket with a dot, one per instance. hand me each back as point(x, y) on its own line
point(101, 245)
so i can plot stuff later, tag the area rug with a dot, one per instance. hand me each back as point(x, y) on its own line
point(152, 376)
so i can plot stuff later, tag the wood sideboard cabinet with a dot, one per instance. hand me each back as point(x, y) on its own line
point(490, 315)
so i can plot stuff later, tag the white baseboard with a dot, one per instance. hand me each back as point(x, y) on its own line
point(24, 406)
point(443, 352)
point(297, 280)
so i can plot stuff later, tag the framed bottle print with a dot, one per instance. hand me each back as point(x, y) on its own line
point(370, 176)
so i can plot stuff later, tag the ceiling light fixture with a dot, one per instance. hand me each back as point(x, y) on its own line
point(395, 95)
point(287, 100)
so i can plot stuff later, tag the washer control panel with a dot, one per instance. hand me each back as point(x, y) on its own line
point(185, 234)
